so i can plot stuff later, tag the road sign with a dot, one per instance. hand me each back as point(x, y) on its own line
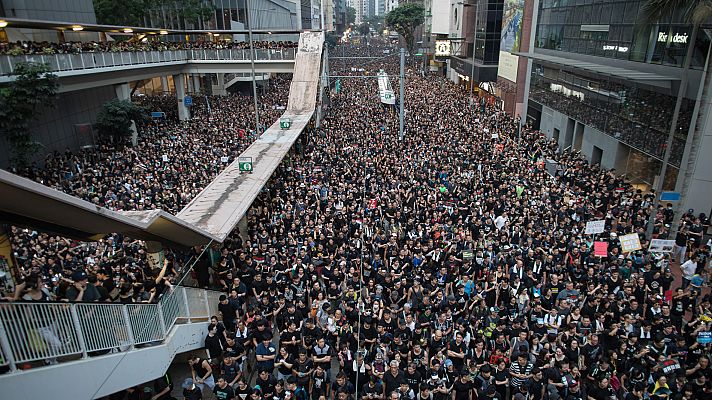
point(188, 101)
point(158, 114)
point(337, 86)
point(670, 196)
point(245, 164)
point(285, 123)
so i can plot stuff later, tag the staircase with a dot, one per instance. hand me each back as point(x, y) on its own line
point(93, 349)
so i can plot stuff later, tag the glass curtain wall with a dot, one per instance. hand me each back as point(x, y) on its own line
point(609, 28)
point(634, 114)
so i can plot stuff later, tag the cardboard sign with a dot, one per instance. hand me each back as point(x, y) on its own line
point(661, 246)
point(630, 242)
point(594, 227)
point(600, 249)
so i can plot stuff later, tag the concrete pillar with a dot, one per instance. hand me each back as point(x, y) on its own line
point(123, 92)
point(183, 111)
point(164, 84)
point(196, 83)
point(219, 89)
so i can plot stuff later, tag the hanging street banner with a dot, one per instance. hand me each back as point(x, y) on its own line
point(630, 242)
point(594, 227)
point(385, 91)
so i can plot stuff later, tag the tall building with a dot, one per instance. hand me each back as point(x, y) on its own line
point(474, 31)
point(604, 84)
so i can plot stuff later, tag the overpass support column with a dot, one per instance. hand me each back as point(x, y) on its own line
point(183, 111)
point(196, 83)
point(219, 89)
point(164, 85)
point(123, 92)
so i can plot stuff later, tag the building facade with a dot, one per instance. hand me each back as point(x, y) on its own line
point(474, 33)
point(603, 83)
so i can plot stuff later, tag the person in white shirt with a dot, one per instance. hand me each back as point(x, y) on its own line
point(688, 270)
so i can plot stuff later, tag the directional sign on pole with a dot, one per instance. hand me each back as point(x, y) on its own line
point(245, 164)
point(188, 101)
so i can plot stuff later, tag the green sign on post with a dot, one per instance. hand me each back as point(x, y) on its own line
point(285, 123)
point(245, 164)
point(337, 86)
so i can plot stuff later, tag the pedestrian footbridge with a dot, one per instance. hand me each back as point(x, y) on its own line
point(94, 69)
point(97, 349)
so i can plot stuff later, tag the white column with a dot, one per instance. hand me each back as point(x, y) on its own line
point(196, 83)
point(164, 84)
point(183, 111)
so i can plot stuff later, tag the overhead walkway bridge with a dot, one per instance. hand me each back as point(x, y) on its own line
point(142, 338)
point(94, 69)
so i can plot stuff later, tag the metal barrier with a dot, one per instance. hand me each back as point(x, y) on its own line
point(83, 61)
point(32, 332)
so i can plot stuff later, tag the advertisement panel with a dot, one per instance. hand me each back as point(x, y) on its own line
point(512, 21)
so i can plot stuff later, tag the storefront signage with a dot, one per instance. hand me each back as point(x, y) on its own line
point(621, 49)
point(676, 38)
point(442, 48)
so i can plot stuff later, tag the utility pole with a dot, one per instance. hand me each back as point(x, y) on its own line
point(402, 91)
point(252, 64)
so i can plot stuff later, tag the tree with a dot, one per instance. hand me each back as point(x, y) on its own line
point(331, 40)
point(404, 19)
point(364, 29)
point(34, 88)
point(115, 118)
point(695, 12)
point(350, 15)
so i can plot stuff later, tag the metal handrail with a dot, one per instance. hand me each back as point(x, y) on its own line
point(92, 60)
point(31, 332)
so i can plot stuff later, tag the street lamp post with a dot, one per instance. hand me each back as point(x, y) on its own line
point(252, 66)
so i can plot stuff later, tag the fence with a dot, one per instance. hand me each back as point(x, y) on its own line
point(83, 61)
point(32, 332)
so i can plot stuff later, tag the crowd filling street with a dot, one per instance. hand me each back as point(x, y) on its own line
point(449, 265)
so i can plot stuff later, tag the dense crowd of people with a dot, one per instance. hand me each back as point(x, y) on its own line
point(76, 47)
point(127, 178)
point(447, 265)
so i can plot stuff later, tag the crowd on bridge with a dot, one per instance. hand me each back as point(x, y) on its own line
point(77, 47)
point(447, 265)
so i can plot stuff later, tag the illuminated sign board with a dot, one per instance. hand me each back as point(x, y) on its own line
point(442, 48)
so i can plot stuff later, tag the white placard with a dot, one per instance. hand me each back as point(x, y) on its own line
point(224, 159)
point(495, 136)
point(165, 158)
point(594, 227)
point(630, 242)
point(661, 246)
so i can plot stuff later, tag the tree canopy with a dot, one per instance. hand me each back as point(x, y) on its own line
point(33, 89)
point(350, 15)
point(404, 19)
point(114, 119)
